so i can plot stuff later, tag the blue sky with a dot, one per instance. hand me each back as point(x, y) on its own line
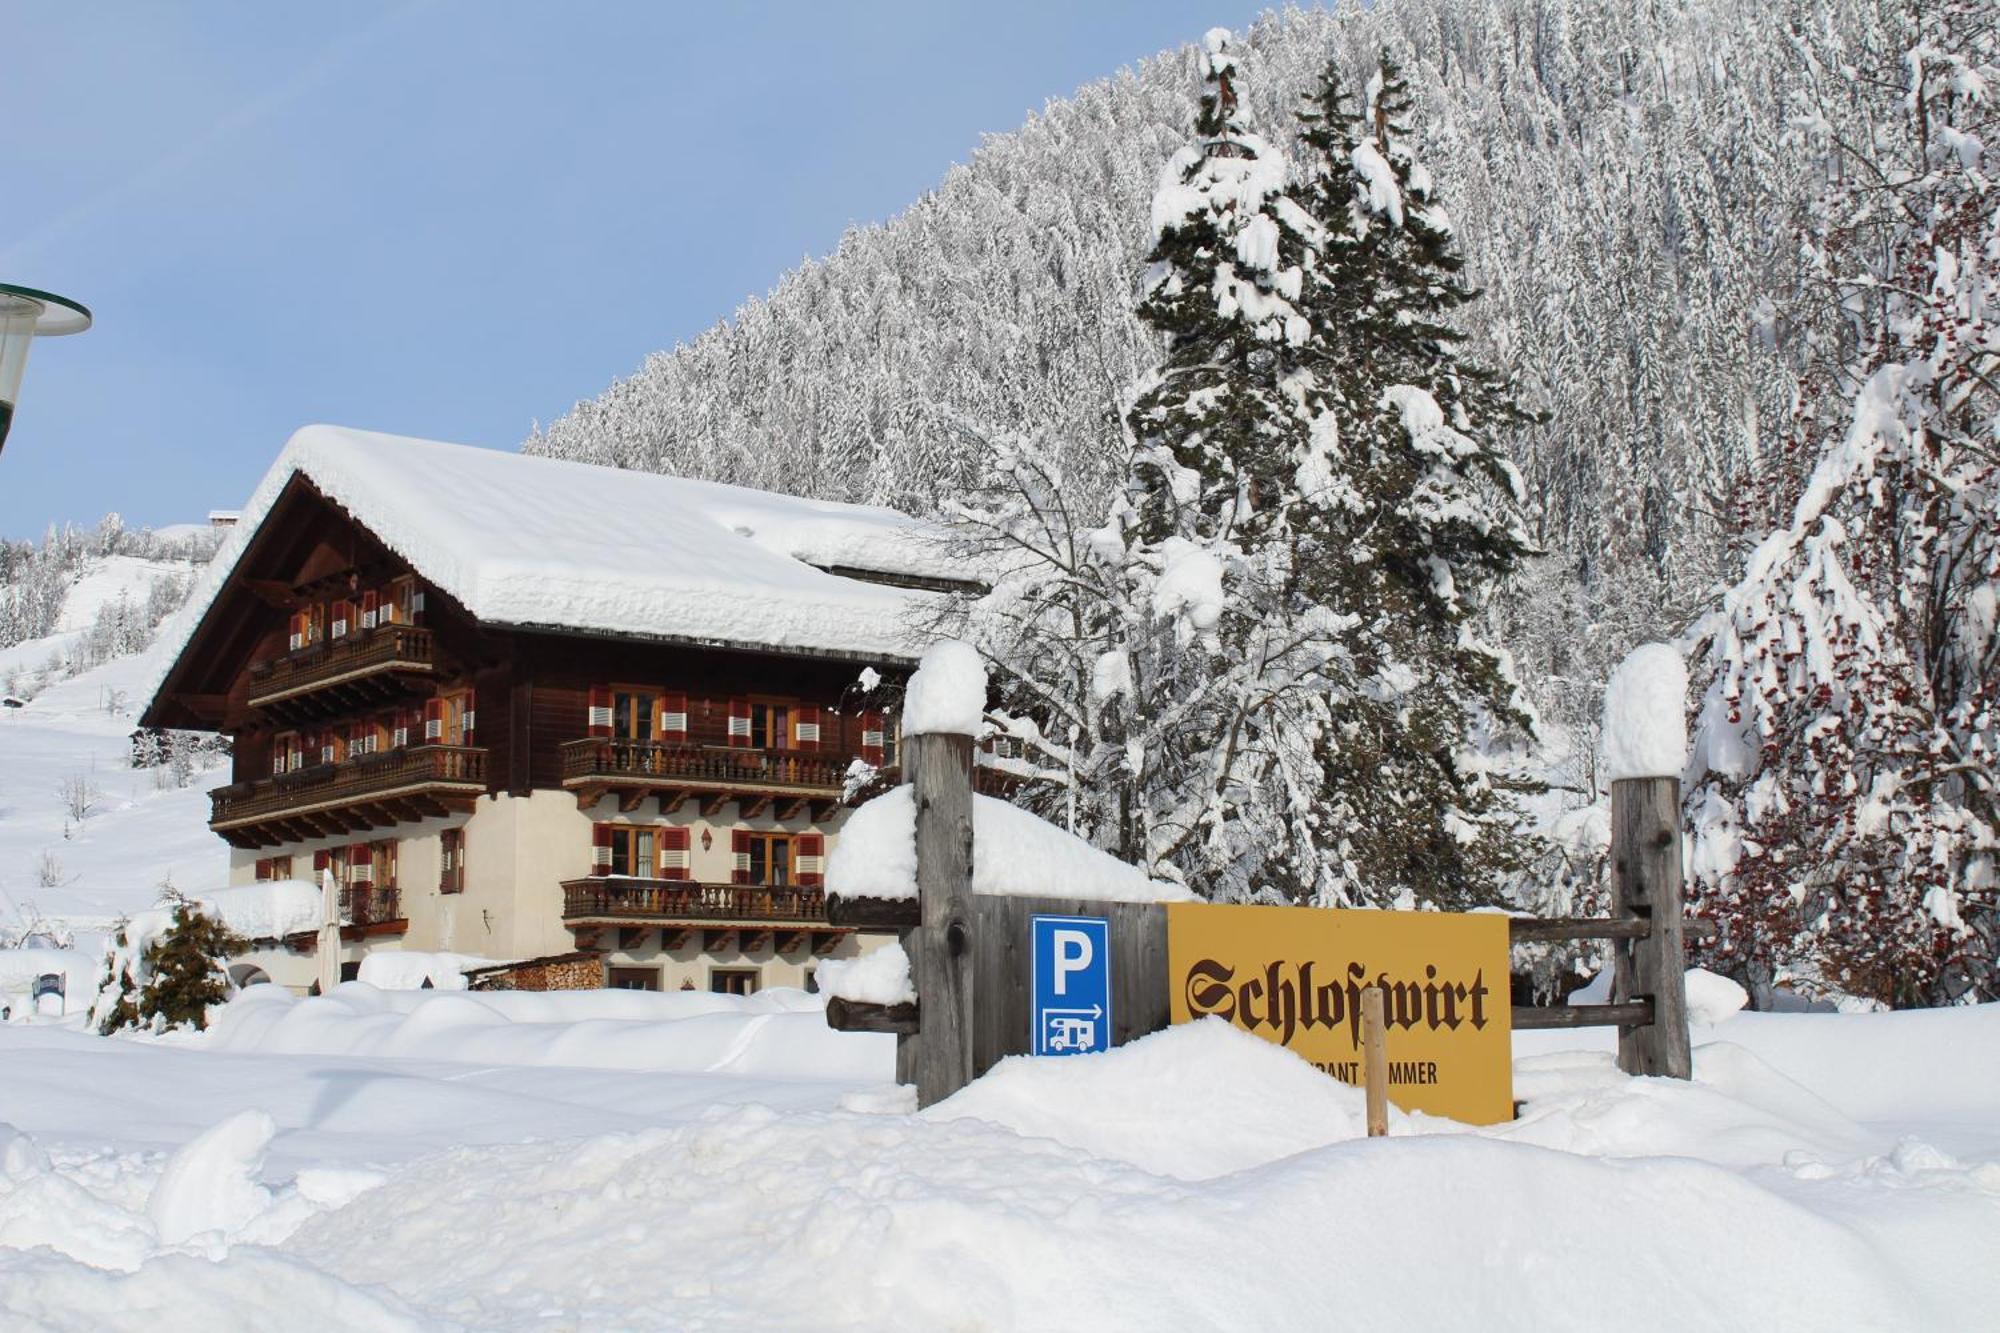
point(451, 218)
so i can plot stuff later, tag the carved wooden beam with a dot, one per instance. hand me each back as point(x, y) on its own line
point(631, 798)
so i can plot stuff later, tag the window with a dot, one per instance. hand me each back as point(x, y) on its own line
point(274, 867)
point(770, 726)
point(288, 752)
point(770, 858)
point(632, 978)
point(451, 861)
point(631, 850)
point(632, 714)
point(457, 716)
point(384, 855)
point(733, 980)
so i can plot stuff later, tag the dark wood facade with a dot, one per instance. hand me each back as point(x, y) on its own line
point(362, 698)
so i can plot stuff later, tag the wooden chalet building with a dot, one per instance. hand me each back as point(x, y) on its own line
point(523, 708)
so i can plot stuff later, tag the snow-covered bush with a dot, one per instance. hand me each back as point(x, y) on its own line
point(161, 978)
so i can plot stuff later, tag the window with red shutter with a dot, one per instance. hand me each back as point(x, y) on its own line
point(360, 865)
point(369, 604)
point(739, 722)
point(433, 721)
point(451, 867)
point(343, 619)
point(600, 848)
point(812, 859)
point(322, 862)
point(263, 868)
point(739, 848)
point(597, 718)
point(673, 853)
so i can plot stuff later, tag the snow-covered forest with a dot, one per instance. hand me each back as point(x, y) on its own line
point(1697, 232)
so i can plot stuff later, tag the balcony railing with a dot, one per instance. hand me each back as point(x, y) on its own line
point(662, 764)
point(365, 792)
point(376, 905)
point(607, 898)
point(347, 660)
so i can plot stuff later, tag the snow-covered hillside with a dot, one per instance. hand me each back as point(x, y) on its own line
point(85, 837)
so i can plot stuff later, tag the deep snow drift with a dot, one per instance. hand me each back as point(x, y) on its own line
point(413, 1160)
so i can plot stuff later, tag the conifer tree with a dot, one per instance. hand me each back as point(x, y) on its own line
point(181, 973)
point(1409, 516)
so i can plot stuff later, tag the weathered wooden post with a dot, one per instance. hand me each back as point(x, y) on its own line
point(941, 711)
point(1375, 1061)
point(1645, 741)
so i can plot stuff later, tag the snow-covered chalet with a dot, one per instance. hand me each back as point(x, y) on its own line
point(530, 709)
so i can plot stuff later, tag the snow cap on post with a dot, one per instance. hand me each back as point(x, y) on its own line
point(947, 696)
point(1645, 715)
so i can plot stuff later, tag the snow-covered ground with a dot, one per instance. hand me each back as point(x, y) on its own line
point(432, 1160)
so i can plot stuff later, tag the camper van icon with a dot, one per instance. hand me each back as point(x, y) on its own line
point(1070, 1031)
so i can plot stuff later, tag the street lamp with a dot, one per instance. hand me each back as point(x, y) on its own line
point(26, 314)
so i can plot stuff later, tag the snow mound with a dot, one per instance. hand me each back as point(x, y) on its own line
point(1013, 852)
point(778, 1032)
point(1192, 1102)
point(269, 910)
point(1645, 714)
point(1712, 998)
point(879, 977)
point(947, 695)
point(410, 969)
point(211, 1185)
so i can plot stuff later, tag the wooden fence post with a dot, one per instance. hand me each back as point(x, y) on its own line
point(939, 1055)
point(1375, 1061)
point(1646, 885)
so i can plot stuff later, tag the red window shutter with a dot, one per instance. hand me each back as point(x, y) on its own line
point(600, 849)
point(806, 727)
point(872, 749)
point(673, 853)
point(739, 847)
point(369, 604)
point(812, 860)
point(433, 721)
point(263, 867)
point(673, 717)
point(401, 723)
point(465, 723)
point(295, 631)
point(329, 746)
point(341, 619)
point(322, 859)
point(598, 719)
point(360, 865)
point(739, 722)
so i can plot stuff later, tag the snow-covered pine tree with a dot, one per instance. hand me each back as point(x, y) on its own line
point(1844, 797)
point(1160, 667)
point(1408, 517)
point(174, 980)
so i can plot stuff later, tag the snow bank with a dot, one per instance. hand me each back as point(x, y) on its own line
point(881, 976)
point(776, 1032)
point(269, 910)
point(410, 969)
point(1237, 1101)
point(1645, 715)
point(947, 695)
point(1013, 852)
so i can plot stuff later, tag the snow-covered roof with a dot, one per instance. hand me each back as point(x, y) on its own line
point(540, 542)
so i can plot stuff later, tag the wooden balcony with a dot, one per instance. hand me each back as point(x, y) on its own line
point(729, 916)
point(791, 780)
point(373, 791)
point(353, 673)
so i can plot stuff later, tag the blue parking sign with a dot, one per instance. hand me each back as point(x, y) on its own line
point(1070, 988)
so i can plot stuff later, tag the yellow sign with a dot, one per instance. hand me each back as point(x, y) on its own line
point(1294, 976)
